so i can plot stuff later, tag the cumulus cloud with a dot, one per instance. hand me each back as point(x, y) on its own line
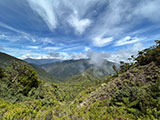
point(78, 24)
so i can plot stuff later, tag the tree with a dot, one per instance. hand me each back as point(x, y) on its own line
point(149, 55)
point(1, 73)
point(157, 43)
point(25, 76)
point(115, 68)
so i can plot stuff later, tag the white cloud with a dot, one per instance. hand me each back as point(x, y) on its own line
point(116, 19)
point(72, 47)
point(47, 40)
point(12, 37)
point(68, 56)
point(77, 56)
point(26, 56)
point(149, 10)
point(127, 40)
point(33, 47)
point(121, 16)
point(124, 54)
point(55, 55)
point(36, 56)
point(97, 58)
point(52, 10)
point(101, 42)
point(87, 49)
point(43, 57)
point(45, 8)
point(78, 24)
point(52, 48)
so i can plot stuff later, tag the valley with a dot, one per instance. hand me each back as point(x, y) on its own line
point(72, 90)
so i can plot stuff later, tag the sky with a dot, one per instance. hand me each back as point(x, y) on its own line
point(75, 29)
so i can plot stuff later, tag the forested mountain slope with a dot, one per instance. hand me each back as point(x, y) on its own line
point(64, 70)
point(133, 93)
point(6, 60)
point(40, 61)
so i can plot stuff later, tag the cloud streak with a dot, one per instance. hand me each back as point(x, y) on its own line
point(128, 40)
point(22, 34)
point(101, 42)
point(45, 8)
point(76, 26)
point(117, 17)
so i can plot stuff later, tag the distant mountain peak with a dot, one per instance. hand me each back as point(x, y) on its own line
point(41, 61)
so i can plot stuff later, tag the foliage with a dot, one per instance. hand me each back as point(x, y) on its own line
point(2, 73)
point(131, 94)
point(151, 54)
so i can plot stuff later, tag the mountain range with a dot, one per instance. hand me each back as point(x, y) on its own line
point(41, 61)
point(65, 69)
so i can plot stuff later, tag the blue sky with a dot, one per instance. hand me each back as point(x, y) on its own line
point(71, 29)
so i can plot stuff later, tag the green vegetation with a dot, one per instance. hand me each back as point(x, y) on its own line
point(133, 93)
point(43, 75)
point(150, 55)
point(66, 69)
point(63, 70)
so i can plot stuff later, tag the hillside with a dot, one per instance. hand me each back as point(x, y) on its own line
point(64, 70)
point(133, 93)
point(6, 59)
point(43, 75)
